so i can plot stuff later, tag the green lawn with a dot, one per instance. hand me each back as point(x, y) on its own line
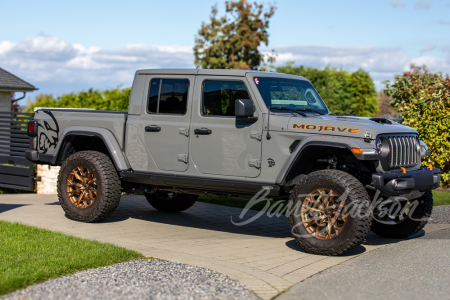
point(440, 198)
point(29, 255)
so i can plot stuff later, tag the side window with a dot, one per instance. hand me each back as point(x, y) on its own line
point(219, 96)
point(168, 96)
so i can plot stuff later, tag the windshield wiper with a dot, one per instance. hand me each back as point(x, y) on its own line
point(308, 109)
point(288, 109)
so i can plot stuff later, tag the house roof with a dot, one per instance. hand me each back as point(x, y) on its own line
point(12, 83)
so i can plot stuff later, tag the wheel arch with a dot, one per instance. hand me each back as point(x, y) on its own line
point(322, 143)
point(99, 139)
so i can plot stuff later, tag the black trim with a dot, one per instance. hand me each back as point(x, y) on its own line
point(56, 157)
point(152, 129)
point(202, 131)
point(32, 155)
point(294, 145)
point(46, 158)
point(199, 183)
point(84, 111)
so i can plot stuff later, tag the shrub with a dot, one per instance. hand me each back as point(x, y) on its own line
point(423, 100)
point(114, 99)
point(342, 91)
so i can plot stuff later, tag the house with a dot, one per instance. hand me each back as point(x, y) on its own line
point(10, 84)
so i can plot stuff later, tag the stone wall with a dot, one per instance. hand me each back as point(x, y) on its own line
point(5, 101)
point(49, 176)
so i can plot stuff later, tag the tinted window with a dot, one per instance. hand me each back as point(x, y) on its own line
point(219, 96)
point(153, 96)
point(168, 96)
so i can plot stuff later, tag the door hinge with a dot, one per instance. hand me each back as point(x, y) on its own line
point(256, 135)
point(184, 131)
point(183, 158)
point(256, 163)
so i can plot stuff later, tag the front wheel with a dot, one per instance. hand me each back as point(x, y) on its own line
point(329, 212)
point(402, 219)
point(170, 202)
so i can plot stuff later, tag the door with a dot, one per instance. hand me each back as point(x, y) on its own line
point(164, 125)
point(222, 144)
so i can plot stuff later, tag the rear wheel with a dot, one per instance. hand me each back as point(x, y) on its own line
point(402, 219)
point(329, 212)
point(88, 186)
point(170, 202)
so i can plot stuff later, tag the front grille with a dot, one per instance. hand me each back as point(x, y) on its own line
point(404, 150)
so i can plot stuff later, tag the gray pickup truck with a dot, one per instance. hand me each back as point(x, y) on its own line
point(235, 133)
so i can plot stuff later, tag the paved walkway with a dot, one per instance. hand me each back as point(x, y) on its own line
point(414, 269)
point(262, 255)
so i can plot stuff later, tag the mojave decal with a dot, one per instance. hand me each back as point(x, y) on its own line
point(320, 128)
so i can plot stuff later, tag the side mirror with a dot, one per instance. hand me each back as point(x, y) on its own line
point(244, 108)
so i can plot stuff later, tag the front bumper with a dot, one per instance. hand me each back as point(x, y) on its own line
point(397, 183)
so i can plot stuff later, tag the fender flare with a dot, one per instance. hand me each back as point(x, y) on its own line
point(328, 141)
point(117, 155)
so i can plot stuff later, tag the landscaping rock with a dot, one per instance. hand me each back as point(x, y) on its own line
point(139, 279)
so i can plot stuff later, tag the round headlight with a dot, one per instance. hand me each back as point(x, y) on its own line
point(382, 146)
point(424, 149)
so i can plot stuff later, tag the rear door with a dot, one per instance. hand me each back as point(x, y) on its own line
point(164, 122)
point(222, 144)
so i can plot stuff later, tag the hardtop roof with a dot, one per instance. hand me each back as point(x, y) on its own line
point(214, 72)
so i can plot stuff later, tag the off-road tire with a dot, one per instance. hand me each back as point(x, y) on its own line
point(178, 203)
point(108, 186)
point(407, 227)
point(357, 225)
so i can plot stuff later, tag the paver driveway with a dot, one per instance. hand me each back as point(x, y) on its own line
point(262, 255)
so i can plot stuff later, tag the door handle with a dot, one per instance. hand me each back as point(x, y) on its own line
point(152, 129)
point(203, 131)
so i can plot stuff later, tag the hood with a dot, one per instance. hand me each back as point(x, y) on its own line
point(337, 125)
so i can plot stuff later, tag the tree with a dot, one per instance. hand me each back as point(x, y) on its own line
point(342, 91)
point(423, 100)
point(385, 109)
point(231, 42)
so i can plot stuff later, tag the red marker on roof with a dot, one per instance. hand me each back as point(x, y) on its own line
point(256, 80)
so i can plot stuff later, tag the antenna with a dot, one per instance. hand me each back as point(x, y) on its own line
point(268, 126)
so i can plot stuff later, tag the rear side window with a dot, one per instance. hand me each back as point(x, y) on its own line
point(219, 96)
point(168, 96)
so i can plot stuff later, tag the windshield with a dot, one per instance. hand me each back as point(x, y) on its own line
point(290, 93)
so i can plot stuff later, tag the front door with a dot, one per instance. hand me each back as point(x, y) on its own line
point(164, 125)
point(222, 144)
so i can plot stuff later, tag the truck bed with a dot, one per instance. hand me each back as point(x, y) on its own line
point(53, 122)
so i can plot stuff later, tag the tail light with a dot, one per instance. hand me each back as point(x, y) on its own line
point(32, 129)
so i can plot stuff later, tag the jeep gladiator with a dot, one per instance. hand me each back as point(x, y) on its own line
point(235, 133)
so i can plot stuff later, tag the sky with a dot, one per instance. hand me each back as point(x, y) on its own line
point(69, 46)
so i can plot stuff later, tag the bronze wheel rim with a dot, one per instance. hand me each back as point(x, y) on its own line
point(323, 214)
point(82, 187)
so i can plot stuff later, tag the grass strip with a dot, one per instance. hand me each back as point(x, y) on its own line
point(29, 255)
